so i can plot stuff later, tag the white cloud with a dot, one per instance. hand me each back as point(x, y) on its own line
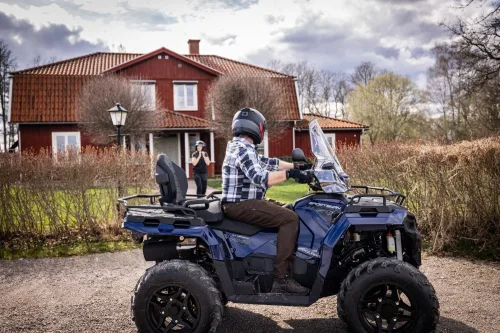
point(337, 34)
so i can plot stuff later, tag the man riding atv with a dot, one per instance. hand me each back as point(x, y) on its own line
point(246, 176)
point(362, 246)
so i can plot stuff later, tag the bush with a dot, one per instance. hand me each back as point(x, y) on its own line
point(72, 199)
point(454, 190)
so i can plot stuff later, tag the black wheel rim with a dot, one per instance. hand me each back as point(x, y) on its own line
point(387, 308)
point(172, 308)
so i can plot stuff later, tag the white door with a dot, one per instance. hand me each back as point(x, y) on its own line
point(168, 145)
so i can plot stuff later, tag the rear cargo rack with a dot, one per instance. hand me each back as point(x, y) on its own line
point(170, 208)
point(182, 208)
point(399, 198)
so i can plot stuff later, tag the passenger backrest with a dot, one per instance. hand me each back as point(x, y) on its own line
point(172, 180)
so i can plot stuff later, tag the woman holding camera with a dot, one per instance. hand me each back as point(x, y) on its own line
point(200, 161)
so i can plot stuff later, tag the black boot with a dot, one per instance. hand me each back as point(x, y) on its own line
point(288, 286)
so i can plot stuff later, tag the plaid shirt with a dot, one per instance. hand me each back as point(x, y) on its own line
point(245, 172)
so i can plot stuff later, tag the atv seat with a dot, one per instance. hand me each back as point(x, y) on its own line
point(214, 217)
point(236, 227)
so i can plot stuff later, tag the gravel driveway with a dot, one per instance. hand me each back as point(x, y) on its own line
point(92, 294)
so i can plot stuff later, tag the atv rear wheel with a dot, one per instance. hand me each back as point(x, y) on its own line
point(387, 295)
point(176, 296)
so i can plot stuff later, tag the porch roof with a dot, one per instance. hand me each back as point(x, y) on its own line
point(330, 123)
point(172, 119)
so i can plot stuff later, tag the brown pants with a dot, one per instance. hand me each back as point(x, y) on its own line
point(270, 215)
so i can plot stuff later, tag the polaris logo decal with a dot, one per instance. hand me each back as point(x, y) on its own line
point(310, 252)
point(323, 205)
point(240, 239)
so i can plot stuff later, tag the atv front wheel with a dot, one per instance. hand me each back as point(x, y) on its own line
point(387, 295)
point(176, 296)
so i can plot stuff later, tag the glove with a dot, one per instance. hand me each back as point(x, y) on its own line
point(300, 176)
point(302, 165)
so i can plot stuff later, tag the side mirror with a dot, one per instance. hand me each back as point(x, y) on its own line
point(298, 155)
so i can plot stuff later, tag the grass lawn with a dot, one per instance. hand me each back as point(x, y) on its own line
point(286, 192)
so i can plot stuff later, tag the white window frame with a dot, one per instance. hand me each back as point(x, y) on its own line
point(148, 83)
point(333, 136)
point(65, 134)
point(178, 84)
point(192, 147)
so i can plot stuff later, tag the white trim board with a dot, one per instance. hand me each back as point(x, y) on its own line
point(179, 153)
point(212, 148)
point(186, 153)
point(9, 106)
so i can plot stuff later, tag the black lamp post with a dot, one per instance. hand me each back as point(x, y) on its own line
point(118, 116)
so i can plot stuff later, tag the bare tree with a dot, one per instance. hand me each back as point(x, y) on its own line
point(465, 108)
point(322, 92)
point(463, 83)
point(7, 64)
point(304, 78)
point(229, 94)
point(118, 48)
point(103, 92)
point(479, 40)
point(39, 61)
point(341, 89)
point(363, 73)
point(309, 81)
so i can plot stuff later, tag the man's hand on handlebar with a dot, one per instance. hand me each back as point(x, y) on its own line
point(300, 176)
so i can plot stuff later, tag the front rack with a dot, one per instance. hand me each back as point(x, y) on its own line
point(399, 197)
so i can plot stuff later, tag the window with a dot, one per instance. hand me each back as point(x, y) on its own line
point(148, 89)
point(185, 96)
point(331, 139)
point(65, 141)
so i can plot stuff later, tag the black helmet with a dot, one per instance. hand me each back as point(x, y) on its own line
point(199, 142)
point(250, 122)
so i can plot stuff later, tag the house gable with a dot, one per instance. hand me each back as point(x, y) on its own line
point(172, 56)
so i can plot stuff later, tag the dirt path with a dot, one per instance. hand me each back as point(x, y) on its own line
point(92, 294)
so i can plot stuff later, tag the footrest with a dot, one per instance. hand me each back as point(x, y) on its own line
point(272, 299)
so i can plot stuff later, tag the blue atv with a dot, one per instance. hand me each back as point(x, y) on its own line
point(363, 247)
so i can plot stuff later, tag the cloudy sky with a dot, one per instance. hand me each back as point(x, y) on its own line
point(333, 34)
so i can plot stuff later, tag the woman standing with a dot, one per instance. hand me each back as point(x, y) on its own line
point(200, 162)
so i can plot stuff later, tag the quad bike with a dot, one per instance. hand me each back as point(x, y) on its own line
point(364, 248)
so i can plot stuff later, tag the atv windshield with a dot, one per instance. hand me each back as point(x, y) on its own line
point(327, 168)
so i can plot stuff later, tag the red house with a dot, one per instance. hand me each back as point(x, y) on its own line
point(43, 103)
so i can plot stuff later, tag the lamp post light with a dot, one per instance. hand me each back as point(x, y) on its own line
point(118, 117)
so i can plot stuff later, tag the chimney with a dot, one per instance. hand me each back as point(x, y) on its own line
point(194, 46)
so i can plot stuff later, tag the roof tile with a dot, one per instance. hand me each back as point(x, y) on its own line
point(172, 119)
point(233, 67)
